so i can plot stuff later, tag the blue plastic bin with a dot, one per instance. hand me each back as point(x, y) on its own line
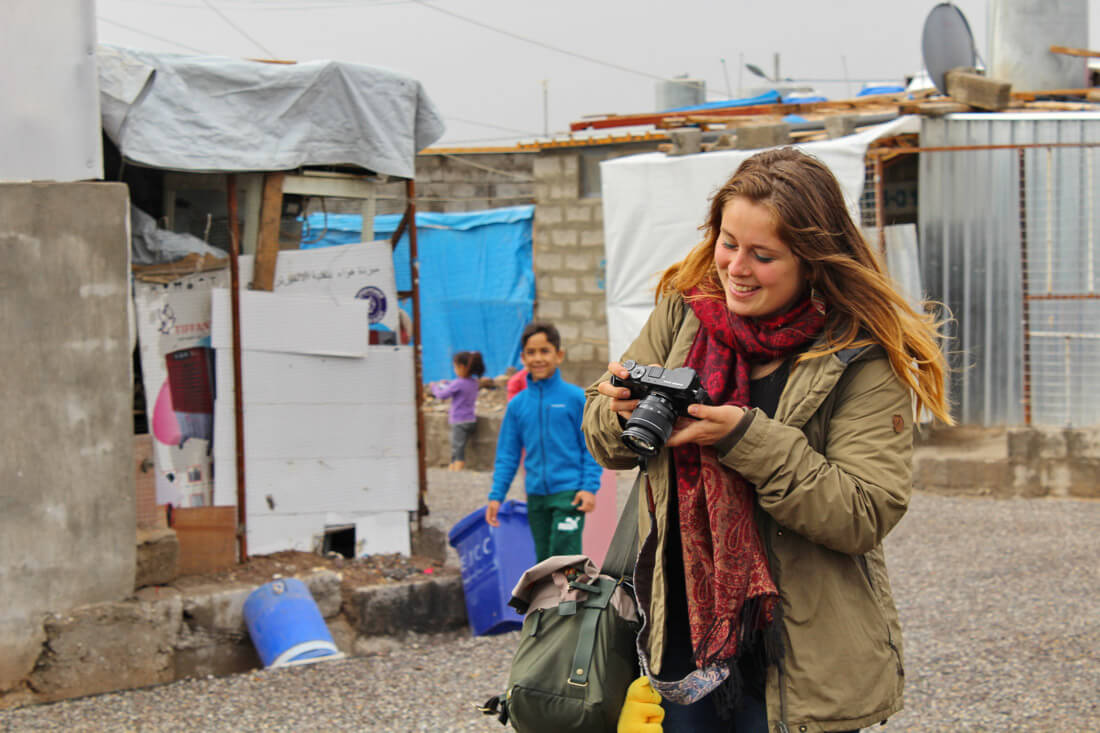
point(493, 559)
point(286, 626)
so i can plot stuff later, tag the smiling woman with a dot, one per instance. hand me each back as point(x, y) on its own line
point(763, 564)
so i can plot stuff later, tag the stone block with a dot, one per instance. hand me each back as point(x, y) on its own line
point(324, 586)
point(564, 191)
point(839, 126)
point(217, 658)
point(214, 611)
point(1052, 443)
point(547, 166)
point(542, 193)
point(756, 137)
point(158, 553)
point(578, 213)
point(548, 214)
point(592, 237)
point(593, 285)
point(1022, 444)
point(582, 262)
point(545, 261)
point(563, 285)
point(108, 646)
point(686, 140)
point(1083, 443)
point(1084, 478)
point(569, 333)
point(580, 309)
point(550, 309)
point(584, 352)
point(343, 634)
point(570, 165)
point(428, 606)
point(963, 85)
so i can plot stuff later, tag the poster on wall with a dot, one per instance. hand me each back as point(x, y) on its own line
point(177, 365)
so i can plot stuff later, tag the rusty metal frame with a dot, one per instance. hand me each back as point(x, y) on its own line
point(1025, 310)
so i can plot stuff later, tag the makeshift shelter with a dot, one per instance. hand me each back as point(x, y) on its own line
point(268, 133)
point(476, 277)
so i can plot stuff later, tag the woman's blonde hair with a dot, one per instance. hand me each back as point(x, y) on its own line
point(862, 304)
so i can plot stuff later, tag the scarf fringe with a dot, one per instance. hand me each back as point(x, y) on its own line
point(754, 630)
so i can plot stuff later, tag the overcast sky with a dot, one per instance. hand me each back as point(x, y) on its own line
point(484, 62)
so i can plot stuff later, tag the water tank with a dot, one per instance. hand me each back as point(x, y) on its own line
point(1021, 33)
point(680, 92)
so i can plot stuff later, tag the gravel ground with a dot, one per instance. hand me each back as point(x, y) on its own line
point(998, 600)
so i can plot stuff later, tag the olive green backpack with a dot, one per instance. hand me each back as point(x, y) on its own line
point(576, 654)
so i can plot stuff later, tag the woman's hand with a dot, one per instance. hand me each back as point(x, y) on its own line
point(620, 396)
point(714, 423)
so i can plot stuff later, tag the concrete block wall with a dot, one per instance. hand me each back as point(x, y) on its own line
point(570, 264)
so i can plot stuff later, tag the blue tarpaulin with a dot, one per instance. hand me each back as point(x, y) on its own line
point(477, 279)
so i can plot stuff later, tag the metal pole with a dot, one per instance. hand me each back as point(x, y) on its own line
point(414, 269)
point(238, 388)
point(1025, 290)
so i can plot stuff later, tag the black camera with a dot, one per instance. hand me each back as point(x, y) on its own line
point(665, 394)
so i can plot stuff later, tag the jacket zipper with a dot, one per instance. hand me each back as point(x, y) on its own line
point(542, 441)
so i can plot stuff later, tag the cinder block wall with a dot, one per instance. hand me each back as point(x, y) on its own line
point(569, 264)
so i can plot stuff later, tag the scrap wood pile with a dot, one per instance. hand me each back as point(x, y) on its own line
point(755, 126)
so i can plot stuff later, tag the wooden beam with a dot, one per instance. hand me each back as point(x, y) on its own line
point(267, 240)
point(1030, 96)
point(1067, 51)
point(978, 91)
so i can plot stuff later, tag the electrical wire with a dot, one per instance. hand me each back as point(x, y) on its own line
point(236, 27)
point(108, 21)
point(538, 43)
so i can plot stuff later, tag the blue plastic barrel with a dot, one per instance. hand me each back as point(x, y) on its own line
point(493, 559)
point(286, 626)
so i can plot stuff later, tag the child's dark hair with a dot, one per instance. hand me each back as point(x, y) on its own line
point(543, 327)
point(472, 361)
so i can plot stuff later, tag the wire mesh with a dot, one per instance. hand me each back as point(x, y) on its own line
point(1060, 257)
point(1008, 240)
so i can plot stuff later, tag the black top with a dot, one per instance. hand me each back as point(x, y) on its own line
point(764, 395)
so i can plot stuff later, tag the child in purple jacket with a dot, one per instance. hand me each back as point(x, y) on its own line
point(462, 392)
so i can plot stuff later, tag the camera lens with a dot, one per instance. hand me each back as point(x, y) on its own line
point(650, 425)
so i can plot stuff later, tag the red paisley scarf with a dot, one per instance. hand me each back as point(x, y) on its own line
point(731, 595)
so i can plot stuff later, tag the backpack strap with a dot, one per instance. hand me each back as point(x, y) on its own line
point(623, 551)
point(586, 638)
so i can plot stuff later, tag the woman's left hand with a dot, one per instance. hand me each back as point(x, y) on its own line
point(714, 423)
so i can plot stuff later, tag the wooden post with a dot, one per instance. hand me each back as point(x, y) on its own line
point(267, 240)
point(238, 388)
point(978, 91)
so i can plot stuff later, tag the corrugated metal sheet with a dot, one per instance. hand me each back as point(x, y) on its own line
point(970, 228)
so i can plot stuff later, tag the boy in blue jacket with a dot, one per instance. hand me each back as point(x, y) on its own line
point(545, 421)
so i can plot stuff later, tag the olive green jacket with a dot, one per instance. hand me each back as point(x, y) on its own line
point(832, 473)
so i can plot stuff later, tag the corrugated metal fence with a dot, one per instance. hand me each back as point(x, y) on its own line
point(1008, 243)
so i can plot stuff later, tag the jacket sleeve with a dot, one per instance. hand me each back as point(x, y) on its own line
point(591, 472)
point(601, 425)
point(848, 498)
point(509, 450)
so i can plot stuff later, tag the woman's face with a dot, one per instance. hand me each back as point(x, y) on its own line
point(760, 274)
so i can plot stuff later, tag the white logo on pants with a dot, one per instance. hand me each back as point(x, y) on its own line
point(569, 524)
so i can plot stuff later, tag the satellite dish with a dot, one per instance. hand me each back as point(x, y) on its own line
point(946, 43)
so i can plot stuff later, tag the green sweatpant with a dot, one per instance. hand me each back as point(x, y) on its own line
point(555, 524)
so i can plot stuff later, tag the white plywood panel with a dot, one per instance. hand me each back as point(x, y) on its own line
point(292, 324)
point(382, 534)
point(375, 533)
point(278, 486)
point(384, 377)
point(317, 431)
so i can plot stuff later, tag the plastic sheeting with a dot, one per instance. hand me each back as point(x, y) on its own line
point(654, 204)
point(208, 113)
point(477, 280)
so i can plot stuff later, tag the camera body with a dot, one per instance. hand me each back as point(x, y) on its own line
point(665, 395)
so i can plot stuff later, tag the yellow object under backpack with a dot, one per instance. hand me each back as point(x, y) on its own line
point(642, 711)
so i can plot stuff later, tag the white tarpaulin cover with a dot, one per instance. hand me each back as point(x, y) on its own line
point(653, 205)
point(208, 113)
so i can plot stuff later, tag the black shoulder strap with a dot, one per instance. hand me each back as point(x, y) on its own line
point(623, 551)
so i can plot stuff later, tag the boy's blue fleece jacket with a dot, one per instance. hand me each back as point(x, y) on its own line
point(545, 421)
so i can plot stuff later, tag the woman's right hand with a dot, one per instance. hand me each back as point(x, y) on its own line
point(620, 403)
